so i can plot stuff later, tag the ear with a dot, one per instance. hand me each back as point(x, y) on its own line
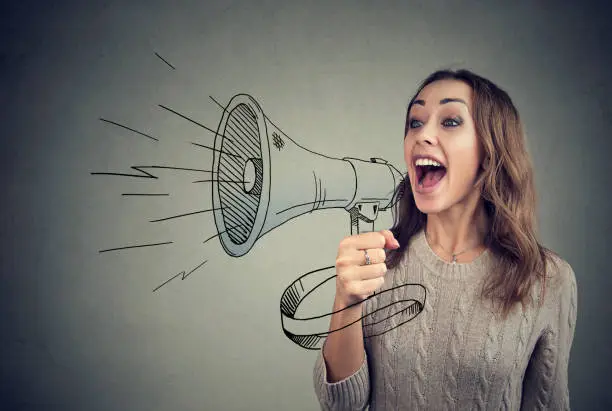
point(484, 164)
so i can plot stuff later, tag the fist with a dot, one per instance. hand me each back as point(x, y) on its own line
point(360, 265)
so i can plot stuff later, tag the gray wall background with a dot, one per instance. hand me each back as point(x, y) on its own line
point(82, 330)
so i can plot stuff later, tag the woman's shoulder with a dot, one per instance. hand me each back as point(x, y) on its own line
point(559, 272)
point(560, 280)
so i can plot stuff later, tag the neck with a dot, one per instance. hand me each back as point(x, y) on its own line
point(459, 229)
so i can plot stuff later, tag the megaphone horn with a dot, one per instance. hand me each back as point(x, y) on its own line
point(262, 179)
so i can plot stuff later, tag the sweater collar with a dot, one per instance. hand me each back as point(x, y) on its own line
point(420, 248)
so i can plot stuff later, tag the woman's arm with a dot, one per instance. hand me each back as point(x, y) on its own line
point(341, 376)
point(343, 350)
point(545, 386)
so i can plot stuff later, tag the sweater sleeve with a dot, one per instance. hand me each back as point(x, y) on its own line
point(545, 386)
point(351, 393)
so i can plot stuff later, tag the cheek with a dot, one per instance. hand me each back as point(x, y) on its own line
point(466, 164)
point(407, 152)
point(465, 159)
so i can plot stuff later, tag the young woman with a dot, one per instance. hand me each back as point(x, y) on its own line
point(495, 328)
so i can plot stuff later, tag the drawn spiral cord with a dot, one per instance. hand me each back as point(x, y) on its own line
point(300, 329)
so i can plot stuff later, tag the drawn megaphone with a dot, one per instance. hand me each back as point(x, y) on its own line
point(262, 179)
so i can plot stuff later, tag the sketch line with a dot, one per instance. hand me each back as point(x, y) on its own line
point(182, 274)
point(222, 181)
point(128, 128)
point(309, 203)
point(219, 151)
point(145, 174)
point(318, 194)
point(165, 61)
point(219, 104)
point(182, 215)
point(135, 246)
point(189, 119)
point(222, 232)
point(146, 194)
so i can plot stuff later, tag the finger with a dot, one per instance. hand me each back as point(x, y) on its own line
point(353, 257)
point(373, 239)
point(375, 255)
point(366, 287)
point(390, 240)
point(368, 272)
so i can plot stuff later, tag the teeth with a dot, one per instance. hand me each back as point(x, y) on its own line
point(427, 162)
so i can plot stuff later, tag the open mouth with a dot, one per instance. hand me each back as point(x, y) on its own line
point(428, 172)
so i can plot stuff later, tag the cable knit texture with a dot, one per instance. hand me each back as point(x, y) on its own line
point(458, 353)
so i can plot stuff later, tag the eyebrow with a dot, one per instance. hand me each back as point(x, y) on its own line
point(443, 101)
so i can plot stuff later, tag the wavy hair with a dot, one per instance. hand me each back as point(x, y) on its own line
point(507, 189)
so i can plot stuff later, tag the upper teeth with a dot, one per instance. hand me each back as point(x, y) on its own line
point(427, 162)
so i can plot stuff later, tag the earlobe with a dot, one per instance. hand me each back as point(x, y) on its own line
point(485, 164)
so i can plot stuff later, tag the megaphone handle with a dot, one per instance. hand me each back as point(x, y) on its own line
point(355, 217)
point(354, 223)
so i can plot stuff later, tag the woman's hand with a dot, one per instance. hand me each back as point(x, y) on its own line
point(356, 279)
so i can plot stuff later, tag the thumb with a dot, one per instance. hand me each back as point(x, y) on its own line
point(390, 240)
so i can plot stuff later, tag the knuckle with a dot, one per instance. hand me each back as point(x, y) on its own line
point(342, 261)
point(343, 243)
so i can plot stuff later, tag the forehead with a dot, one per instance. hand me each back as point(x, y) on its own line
point(442, 89)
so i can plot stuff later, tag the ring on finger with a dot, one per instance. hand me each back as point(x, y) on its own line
point(368, 261)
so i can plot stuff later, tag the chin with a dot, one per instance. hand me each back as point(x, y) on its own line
point(430, 206)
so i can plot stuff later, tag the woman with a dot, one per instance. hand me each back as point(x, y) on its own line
point(497, 323)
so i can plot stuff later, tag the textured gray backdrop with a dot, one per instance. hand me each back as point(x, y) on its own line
point(83, 330)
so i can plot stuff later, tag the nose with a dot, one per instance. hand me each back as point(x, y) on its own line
point(427, 135)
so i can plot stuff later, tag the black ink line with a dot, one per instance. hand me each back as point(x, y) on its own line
point(309, 203)
point(320, 193)
point(182, 274)
point(165, 61)
point(143, 175)
point(219, 151)
point(146, 194)
point(128, 128)
point(182, 215)
point(189, 119)
point(222, 232)
point(295, 294)
point(223, 181)
point(219, 104)
point(316, 196)
point(149, 175)
point(180, 168)
point(135, 246)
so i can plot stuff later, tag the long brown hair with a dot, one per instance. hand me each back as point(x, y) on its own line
point(507, 189)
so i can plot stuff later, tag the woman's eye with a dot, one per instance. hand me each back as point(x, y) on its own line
point(452, 122)
point(414, 123)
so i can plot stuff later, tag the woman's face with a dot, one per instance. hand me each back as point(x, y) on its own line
point(441, 149)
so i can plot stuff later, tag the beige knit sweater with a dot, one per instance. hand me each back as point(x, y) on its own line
point(456, 354)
